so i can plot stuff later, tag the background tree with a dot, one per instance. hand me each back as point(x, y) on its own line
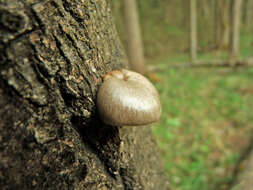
point(247, 13)
point(53, 55)
point(222, 26)
point(134, 41)
point(236, 21)
point(193, 19)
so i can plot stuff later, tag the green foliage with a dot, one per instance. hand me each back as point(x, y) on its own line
point(205, 125)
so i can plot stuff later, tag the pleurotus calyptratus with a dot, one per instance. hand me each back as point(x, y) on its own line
point(127, 98)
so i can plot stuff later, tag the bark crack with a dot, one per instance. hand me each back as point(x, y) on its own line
point(61, 51)
point(67, 7)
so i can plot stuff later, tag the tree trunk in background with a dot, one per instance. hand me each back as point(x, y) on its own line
point(217, 20)
point(205, 6)
point(222, 26)
point(225, 40)
point(134, 41)
point(236, 19)
point(53, 55)
point(193, 38)
point(247, 14)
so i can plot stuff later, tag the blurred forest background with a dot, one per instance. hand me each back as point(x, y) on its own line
point(198, 54)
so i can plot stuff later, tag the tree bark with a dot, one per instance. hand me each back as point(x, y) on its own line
point(134, 41)
point(53, 55)
point(193, 38)
point(235, 46)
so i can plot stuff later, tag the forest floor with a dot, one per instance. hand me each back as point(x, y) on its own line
point(206, 128)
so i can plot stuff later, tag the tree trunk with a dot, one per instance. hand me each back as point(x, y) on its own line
point(236, 20)
point(193, 18)
point(244, 178)
point(247, 14)
point(217, 31)
point(222, 30)
point(134, 42)
point(53, 55)
point(225, 41)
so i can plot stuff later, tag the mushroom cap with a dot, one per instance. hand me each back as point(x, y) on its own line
point(128, 98)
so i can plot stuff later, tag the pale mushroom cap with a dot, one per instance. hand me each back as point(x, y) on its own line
point(128, 98)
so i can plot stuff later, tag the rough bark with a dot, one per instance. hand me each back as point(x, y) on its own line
point(134, 41)
point(53, 55)
point(193, 38)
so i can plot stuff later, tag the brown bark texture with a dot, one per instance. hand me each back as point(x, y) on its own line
point(53, 55)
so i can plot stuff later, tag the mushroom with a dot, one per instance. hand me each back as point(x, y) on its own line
point(127, 98)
